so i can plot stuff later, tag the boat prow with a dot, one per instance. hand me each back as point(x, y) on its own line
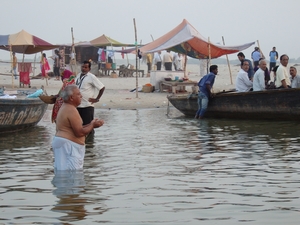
point(20, 113)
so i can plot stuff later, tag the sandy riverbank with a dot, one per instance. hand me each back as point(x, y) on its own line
point(117, 93)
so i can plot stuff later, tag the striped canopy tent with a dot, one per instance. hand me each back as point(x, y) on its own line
point(25, 43)
point(187, 40)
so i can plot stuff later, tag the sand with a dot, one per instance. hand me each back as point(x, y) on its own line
point(117, 93)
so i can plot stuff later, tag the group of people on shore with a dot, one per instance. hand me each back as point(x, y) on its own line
point(167, 61)
point(251, 77)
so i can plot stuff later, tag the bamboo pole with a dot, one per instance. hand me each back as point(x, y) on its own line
point(136, 61)
point(23, 68)
point(262, 54)
point(184, 66)
point(11, 62)
point(209, 54)
point(139, 58)
point(228, 63)
point(74, 70)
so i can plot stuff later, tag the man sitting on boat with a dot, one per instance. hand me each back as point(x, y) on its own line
point(243, 83)
point(205, 86)
point(282, 74)
point(250, 71)
point(295, 79)
point(259, 76)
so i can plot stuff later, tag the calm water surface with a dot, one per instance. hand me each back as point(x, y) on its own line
point(144, 167)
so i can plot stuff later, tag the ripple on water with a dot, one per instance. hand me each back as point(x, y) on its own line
point(144, 167)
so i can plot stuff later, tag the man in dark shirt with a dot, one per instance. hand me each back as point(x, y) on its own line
point(205, 86)
point(241, 57)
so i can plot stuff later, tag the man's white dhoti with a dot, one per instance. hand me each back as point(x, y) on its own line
point(68, 155)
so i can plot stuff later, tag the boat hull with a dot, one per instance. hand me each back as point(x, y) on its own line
point(279, 104)
point(18, 114)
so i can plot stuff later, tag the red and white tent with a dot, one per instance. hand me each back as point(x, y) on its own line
point(187, 40)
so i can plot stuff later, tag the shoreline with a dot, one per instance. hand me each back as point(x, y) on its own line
point(117, 93)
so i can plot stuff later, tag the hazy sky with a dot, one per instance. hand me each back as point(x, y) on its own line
point(272, 22)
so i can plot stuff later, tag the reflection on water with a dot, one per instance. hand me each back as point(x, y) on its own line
point(144, 167)
point(69, 186)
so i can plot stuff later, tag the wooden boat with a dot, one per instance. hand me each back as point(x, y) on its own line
point(20, 113)
point(274, 104)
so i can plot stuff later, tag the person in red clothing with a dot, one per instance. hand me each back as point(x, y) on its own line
point(45, 67)
point(66, 74)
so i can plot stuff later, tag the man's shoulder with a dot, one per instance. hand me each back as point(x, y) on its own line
point(91, 74)
point(241, 71)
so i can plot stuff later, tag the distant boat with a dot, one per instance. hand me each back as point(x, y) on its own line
point(20, 113)
point(274, 104)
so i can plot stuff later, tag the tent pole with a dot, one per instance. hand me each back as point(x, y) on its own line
point(73, 54)
point(11, 62)
point(139, 58)
point(185, 62)
point(136, 61)
point(228, 63)
point(23, 67)
point(262, 54)
point(209, 53)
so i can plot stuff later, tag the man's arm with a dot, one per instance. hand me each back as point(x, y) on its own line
point(284, 83)
point(246, 80)
point(94, 100)
point(262, 81)
point(100, 93)
point(208, 88)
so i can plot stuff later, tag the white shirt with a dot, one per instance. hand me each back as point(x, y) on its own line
point(282, 74)
point(157, 58)
point(295, 82)
point(259, 80)
point(242, 83)
point(175, 58)
point(89, 86)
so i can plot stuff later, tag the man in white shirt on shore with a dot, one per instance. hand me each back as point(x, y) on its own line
point(259, 76)
point(157, 60)
point(243, 84)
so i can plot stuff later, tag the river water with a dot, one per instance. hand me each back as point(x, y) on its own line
point(146, 167)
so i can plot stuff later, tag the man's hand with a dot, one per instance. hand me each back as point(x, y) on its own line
point(93, 100)
point(97, 123)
